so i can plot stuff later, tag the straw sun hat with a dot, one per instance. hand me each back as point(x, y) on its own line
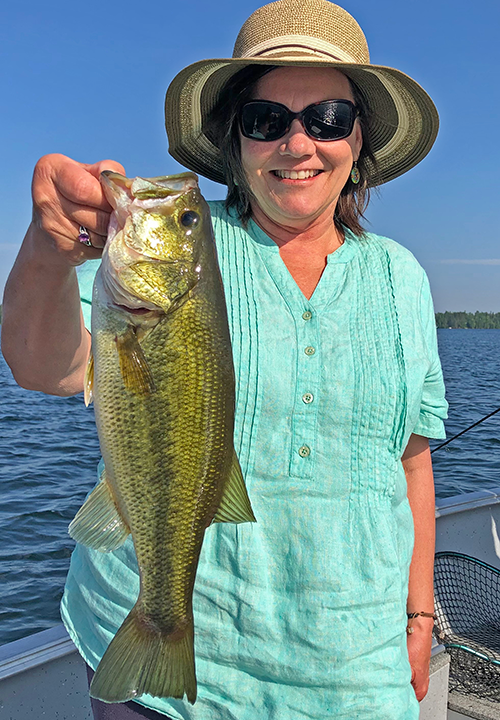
point(304, 33)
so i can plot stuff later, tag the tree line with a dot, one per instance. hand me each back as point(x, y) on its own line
point(465, 320)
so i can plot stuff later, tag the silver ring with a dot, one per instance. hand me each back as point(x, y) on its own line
point(84, 237)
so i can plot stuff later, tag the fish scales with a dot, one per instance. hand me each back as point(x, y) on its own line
point(171, 459)
point(162, 381)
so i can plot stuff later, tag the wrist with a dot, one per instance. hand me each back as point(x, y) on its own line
point(420, 621)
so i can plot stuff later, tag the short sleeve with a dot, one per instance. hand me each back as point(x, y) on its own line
point(433, 408)
point(86, 274)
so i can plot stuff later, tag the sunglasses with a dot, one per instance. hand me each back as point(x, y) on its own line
point(324, 121)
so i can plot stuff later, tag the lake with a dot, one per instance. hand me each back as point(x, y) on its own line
point(49, 451)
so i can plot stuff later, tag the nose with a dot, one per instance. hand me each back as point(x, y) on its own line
point(297, 142)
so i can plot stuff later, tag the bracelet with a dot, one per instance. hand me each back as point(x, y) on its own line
point(411, 617)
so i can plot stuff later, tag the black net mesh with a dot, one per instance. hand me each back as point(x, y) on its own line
point(467, 595)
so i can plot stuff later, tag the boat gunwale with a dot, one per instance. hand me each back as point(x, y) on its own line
point(34, 650)
point(467, 501)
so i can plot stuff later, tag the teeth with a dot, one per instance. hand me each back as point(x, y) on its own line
point(294, 175)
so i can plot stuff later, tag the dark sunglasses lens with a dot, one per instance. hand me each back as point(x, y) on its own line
point(263, 121)
point(329, 120)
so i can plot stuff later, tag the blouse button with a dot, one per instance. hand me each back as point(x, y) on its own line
point(304, 451)
point(307, 315)
point(307, 398)
point(309, 350)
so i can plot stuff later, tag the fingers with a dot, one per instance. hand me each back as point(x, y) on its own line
point(66, 195)
point(77, 182)
point(420, 685)
point(97, 168)
point(95, 221)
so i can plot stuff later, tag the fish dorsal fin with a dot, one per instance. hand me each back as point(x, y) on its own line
point(98, 523)
point(235, 505)
point(88, 383)
point(134, 367)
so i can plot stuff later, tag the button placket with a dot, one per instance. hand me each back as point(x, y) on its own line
point(304, 419)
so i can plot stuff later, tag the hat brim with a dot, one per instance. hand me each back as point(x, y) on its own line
point(403, 127)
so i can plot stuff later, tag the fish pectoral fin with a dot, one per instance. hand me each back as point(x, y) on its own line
point(135, 370)
point(98, 523)
point(235, 504)
point(88, 383)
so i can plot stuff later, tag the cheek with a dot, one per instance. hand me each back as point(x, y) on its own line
point(341, 153)
point(246, 155)
point(254, 156)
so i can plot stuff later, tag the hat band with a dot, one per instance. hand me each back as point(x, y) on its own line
point(298, 45)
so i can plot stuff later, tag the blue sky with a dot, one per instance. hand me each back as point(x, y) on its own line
point(88, 80)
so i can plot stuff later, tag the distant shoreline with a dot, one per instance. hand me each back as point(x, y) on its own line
point(468, 321)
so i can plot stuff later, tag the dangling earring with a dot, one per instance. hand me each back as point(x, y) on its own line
point(355, 174)
point(235, 182)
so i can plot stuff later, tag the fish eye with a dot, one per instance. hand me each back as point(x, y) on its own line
point(190, 219)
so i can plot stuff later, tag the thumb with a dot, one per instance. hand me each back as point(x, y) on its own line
point(97, 168)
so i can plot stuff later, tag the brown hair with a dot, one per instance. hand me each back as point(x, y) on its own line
point(223, 130)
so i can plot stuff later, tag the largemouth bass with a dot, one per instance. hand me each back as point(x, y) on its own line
point(162, 381)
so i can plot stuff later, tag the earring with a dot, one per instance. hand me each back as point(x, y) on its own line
point(235, 182)
point(355, 174)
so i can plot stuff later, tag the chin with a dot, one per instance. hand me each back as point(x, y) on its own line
point(301, 213)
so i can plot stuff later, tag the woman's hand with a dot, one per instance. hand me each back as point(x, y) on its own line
point(419, 645)
point(44, 339)
point(67, 194)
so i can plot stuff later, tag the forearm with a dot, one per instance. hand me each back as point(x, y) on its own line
point(44, 340)
point(420, 484)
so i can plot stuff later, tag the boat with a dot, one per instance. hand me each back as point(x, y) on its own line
point(43, 675)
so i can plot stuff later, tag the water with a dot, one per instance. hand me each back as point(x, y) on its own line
point(49, 451)
point(471, 368)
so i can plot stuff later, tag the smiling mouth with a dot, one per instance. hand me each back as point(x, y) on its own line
point(295, 174)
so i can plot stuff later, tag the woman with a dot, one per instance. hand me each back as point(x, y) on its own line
point(304, 614)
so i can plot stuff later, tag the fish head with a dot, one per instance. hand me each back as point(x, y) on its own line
point(157, 232)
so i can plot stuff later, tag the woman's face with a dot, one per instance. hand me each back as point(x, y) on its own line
point(298, 203)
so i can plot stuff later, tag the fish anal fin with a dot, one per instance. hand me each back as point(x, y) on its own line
point(88, 384)
point(135, 370)
point(140, 659)
point(98, 523)
point(235, 504)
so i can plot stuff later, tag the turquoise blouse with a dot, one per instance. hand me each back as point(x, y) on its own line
point(302, 614)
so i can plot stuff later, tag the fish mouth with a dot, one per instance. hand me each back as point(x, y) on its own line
point(121, 191)
point(137, 311)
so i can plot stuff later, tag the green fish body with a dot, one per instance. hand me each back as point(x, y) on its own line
point(162, 381)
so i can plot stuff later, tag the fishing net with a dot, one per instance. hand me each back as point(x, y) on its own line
point(467, 593)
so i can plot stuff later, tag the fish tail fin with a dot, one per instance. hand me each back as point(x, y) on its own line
point(141, 660)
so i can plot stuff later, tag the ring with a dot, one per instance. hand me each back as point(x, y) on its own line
point(84, 237)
